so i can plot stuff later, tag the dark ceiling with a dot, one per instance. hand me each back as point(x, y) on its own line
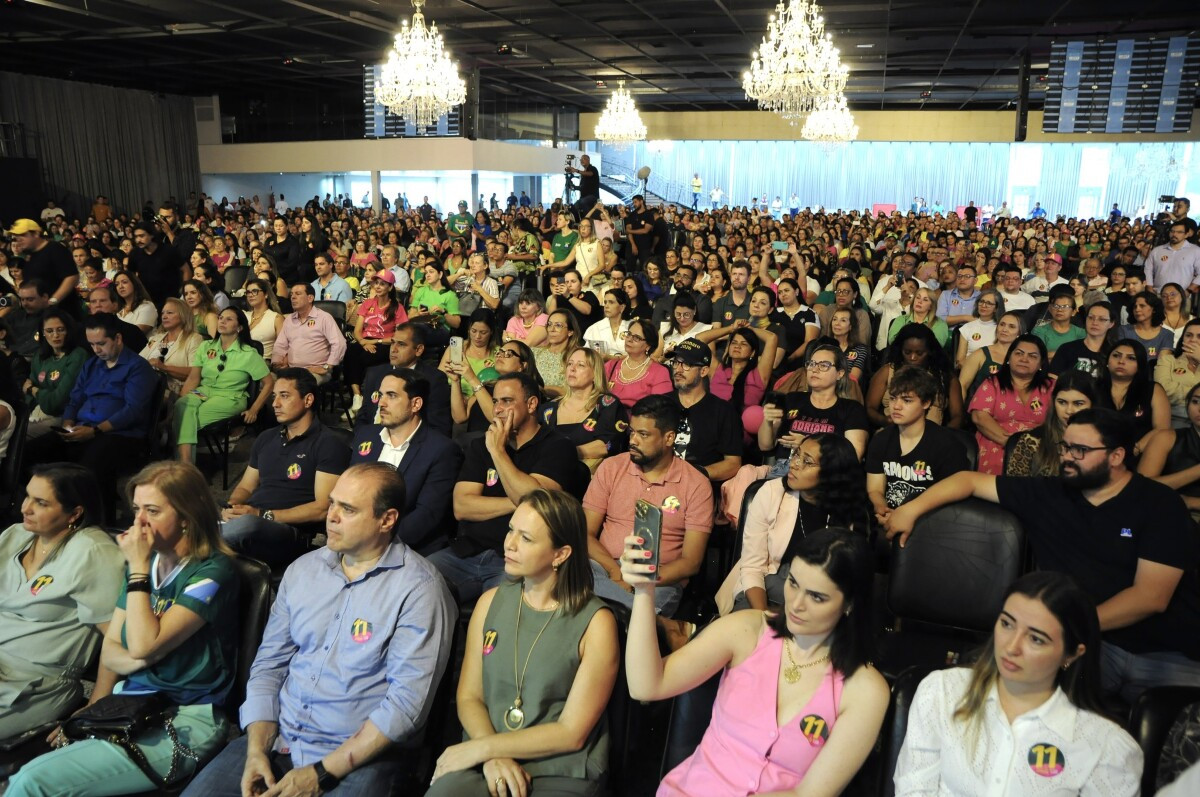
point(675, 54)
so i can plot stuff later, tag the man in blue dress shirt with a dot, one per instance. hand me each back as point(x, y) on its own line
point(358, 639)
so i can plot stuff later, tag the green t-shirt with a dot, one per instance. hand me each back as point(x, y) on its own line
point(459, 224)
point(562, 245)
point(229, 377)
point(1053, 339)
point(430, 299)
point(201, 670)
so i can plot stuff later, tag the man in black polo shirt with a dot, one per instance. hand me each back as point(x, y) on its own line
point(589, 186)
point(639, 228)
point(515, 455)
point(45, 260)
point(735, 304)
point(683, 279)
point(284, 492)
point(1128, 541)
point(709, 435)
point(156, 264)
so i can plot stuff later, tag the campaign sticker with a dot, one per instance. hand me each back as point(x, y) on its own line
point(312, 322)
point(54, 376)
point(621, 426)
point(212, 354)
point(489, 641)
point(492, 477)
point(728, 315)
point(364, 449)
point(1035, 405)
point(1046, 760)
point(670, 505)
point(607, 400)
point(977, 336)
point(360, 631)
point(293, 471)
point(814, 728)
point(590, 424)
point(40, 583)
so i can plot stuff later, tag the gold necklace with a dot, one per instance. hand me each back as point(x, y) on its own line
point(791, 673)
point(514, 718)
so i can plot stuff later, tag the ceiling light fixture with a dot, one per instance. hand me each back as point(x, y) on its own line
point(419, 82)
point(620, 124)
point(796, 68)
point(831, 123)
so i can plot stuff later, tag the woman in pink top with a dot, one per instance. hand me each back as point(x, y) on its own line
point(798, 699)
point(636, 375)
point(529, 323)
point(374, 323)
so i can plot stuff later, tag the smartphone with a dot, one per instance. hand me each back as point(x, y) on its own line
point(62, 429)
point(779, 246)
point(456, 351)
point(647, 524)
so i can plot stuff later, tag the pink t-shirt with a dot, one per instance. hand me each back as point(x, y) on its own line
point(516, 327)
point(744, 751)
point(380, 324)
point(721, 386)
point(684, 494)
point(656, 379)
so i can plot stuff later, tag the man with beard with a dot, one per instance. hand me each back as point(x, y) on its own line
point(1128, 541)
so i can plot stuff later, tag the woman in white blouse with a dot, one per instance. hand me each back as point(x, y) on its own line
point(1026, 718)
point(265, 318)
point(136, 306)
point(172, 347)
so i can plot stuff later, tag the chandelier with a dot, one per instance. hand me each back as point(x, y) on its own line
point(830, 123)
point(419, 82)
point(620, 123)
point(797, 68)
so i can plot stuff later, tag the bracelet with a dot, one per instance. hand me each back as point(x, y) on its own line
point(138, 575)
point(138, 586)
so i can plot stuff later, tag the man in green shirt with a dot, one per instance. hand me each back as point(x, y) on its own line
point(458, 225)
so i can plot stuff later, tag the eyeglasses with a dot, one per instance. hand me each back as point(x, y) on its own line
point(1078, 452)
point(843, 292)
point(556, 325)
point(253, 292)
point(506, 353)
point(1062, 307)
point(635, 338)
point(986, 303)
point(819, 365)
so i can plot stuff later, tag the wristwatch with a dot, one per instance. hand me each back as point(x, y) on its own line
point(325, 781)
point(269, 515)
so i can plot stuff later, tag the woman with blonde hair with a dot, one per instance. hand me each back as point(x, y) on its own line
point(562, 337)
point(200, 305)
point(923, 310)
point(532, 705)
point(588, 415)
point(174, 633)
point(172, 346)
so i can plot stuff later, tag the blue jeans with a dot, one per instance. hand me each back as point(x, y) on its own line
point(223, 775)
point(1130, 674)
point(666, 597)
point(266, 540)
point(470, 576)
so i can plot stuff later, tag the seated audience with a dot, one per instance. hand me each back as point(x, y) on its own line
point(539, 729)
point(607, 336)
point(709, 432)
point(172, 347)
point(759, 323)
point(651, 471)
point(515, 455)
point(799, 322)
point(744, 373)
point(986, 360)
point(475, 287)
point(916, 347)
point(528, 324)
point(1128, 385)
point(328, 286)
point(105, 300)
point(682, 326)
point(425, 458)
point(1016, 399)
point(1172, 456)
point(909, 454)
point(174, 633)
point(823, 487)
point(435, 303)
point(1035, 452)
point(57, 604)
point(846, 297)
point(199, 301)
point(406, 351)
point(266, 321)
point(1174, 316)
point(206, 273)
point(1059, 331)
point(562, 338)
point(842, 331)
point(1146, 326)
point(980, 331)
point(1178, 371)
point(922, 311)
point(25, 319)
point(1035, 687)
point(589, 416)
point(810, 660)
point(569, 294)
point(1092, 523)
point(328, 736)
point(284, 491)
point(218, 382)
point(134, 304)
point(637, 375)
point(55, 368)
point(374, 322)
point(310, 338)
point(1090, 353)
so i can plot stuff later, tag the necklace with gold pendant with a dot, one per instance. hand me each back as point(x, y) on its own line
point(791, 673)
point(514, 718)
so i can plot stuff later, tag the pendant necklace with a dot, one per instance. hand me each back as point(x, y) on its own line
point(791, 673)
point(514, 718)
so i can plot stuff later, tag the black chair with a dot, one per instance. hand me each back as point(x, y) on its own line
point(254, 607)
point(334, 308)
point(969, 444)
point(216, 435)
point(1151, 723)
point(235, 277)
point(12, 487)
point(947, 585)
point(691, 713)
point(895, 726)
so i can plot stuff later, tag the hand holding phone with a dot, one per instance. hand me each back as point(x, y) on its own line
point(456, 351)
point(640, 562)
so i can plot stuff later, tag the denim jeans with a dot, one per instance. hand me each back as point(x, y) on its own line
point(1130, 674)
point(666, 597)
point(275, 543)
point(470, 576)
point(223, 775)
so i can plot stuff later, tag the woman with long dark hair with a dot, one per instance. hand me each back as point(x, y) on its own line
point(1035, 452)
point(57, 362)
point(824, 486)
point(799, 700)
point(1015, 400)
point(970, 728)
point(1128, 386)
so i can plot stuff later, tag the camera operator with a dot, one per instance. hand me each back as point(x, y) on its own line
point(589, 185)
point(179, 238)
point(1180, 207)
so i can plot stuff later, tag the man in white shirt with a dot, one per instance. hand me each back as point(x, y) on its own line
point(885, 299)
point(281, 205)
point(1176, 261)
point(714, 196)
point(1004, 212)
point(50, 212)
point(391, 259)
point(1009, 278)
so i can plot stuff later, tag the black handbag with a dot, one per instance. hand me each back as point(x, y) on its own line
point(120, 719)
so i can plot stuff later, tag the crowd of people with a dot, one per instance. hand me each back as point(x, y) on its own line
point(520, 381)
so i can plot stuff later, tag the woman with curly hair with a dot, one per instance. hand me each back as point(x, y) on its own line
point(917, 345)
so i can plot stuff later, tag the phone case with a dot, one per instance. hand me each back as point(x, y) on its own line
point(647, 524)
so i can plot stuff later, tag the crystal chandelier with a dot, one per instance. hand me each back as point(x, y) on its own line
point(830, 123)
point(419, 82)
point(797, 68)
point(620, 123)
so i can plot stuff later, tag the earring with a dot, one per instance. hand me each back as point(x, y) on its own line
point(554, 567)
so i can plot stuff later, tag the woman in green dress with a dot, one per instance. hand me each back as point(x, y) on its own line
point(541, 660)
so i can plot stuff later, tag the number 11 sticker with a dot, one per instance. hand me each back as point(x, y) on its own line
point(1046, 760)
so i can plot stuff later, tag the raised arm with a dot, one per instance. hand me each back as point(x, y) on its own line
point(962, 485)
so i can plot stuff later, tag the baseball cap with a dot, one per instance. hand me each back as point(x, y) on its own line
point(692, 352)
point(387, 276)
point(24, 226)
point(462, 203)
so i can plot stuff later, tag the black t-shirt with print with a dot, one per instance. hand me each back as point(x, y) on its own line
point(937, 455)
point(799, 415)
point(708, 431)
point(1075, 356)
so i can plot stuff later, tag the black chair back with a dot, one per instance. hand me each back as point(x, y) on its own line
point(254, 604)
point(1151, 723)
point(235, 277)
point(691, 713)
point(970, 445)
point(895, 726)
point(335, 309)
point(11, 485)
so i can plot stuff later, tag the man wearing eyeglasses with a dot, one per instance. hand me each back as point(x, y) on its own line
point(1128, 541)
point(709, 434)
point(957, 306)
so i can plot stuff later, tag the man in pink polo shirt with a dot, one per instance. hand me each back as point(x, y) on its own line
point(310, 337)
point(651, 471)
